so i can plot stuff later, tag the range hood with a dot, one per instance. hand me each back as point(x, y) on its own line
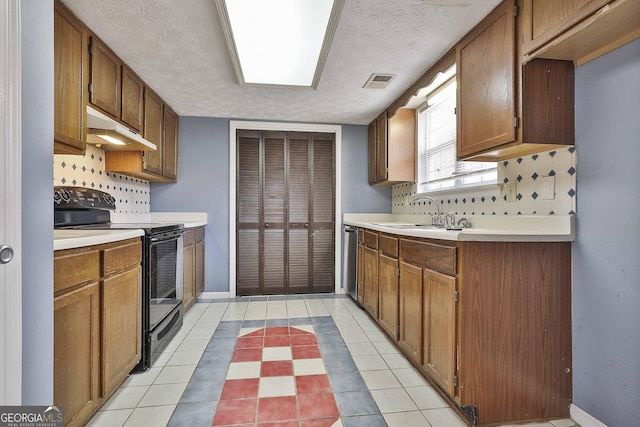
point(108, 134)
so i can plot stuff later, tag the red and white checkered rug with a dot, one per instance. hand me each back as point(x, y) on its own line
point(277, 378)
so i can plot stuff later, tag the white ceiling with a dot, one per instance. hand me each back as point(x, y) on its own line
point(178, 48)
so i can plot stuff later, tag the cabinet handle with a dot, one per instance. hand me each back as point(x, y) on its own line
point(266, 226)
point(306, 225)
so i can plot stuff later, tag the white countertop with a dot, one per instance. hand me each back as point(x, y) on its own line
point(487, 228)
point(69, 239)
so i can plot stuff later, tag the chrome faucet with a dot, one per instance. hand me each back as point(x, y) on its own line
point(436, 221)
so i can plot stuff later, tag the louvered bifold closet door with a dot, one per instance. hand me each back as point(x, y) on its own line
point(285, 219)
point(274, 213)
point(299, 184)
point(323, 213)
point(248, 208)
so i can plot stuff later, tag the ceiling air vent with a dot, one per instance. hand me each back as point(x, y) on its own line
point(379, 81)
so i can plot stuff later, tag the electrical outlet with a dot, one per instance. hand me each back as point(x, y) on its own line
point(548, 190)
point(511, 191)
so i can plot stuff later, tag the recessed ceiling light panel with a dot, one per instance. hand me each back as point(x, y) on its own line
point(279, 42)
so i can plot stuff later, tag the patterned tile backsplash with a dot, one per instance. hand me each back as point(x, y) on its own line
point(527, 172)
point(132, 195)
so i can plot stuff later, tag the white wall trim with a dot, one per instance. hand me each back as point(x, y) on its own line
point(584, 419)
point(213, 295)
point(10, 215)
point(234, 125)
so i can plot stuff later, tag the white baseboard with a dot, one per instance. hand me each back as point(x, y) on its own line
point(583, 419)
point(213, 295)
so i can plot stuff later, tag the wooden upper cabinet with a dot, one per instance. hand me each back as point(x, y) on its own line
point(170, 144)
point(486, 77)
point(373, 151)
point(505, 109)
point(106, 70)
point(382, 146)
point(132, 113)
point(392, 142)
point(577, 30)
point(153, 117)
point(70, 64)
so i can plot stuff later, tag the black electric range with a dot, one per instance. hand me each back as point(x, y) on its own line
point(162, 262)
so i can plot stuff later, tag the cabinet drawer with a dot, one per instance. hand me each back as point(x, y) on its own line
point(430, 255)
point(122, 256)
point(75, 266)
point(389, 245)
point(189, 237)
point(199, 234)
point(371, 239)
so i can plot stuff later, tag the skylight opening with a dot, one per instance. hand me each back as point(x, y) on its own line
point(279, 42)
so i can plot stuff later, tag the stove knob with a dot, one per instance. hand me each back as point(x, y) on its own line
point(56, 197)
point(109, 199)
point(66, 196)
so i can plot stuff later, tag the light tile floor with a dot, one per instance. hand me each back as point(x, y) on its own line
point(183, 386)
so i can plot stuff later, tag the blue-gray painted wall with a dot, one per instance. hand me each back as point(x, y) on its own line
point(37, 206)
point(606, 254)
point(203, 186)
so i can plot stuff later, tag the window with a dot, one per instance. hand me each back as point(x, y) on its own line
point(438, 169)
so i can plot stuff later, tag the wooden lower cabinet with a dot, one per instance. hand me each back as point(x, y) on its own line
point(371, 281)
point(410, 292)
point(200, 247)
point(189, 259)
point(360, 267)
point(97, 324)
point(76, 365)
point(439, 328)
point(193, 266)
point(388, 298)
point(121, 326)
point(488, 324)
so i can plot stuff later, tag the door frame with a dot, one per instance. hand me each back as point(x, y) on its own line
point(10, 213)
point(235, 125)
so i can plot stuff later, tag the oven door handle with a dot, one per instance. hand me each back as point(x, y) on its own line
point(163, 238)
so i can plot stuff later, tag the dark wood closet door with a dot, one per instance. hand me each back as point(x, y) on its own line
point(285, 211)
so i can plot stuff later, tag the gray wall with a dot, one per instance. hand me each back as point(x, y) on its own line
point(203, 186)
point(37, 208)
point(606, 270)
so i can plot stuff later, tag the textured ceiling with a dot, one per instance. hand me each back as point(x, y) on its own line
point(179, 49)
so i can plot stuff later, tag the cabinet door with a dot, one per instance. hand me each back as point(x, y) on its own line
point(76, 365)
point(440, 328)
point(121, 327)
point(69, 42)
point(373, 151)
point(153, 118)
point(132, 100)
point(382, 164)
point(361, 274)
point(170, 144)
point(189, 295)
point(371, 281)
point(199, 261)
point(542, 20)
point(486, 77)
point(388, 285)
point(410, 294)
point(105, 87)
point(401, 146)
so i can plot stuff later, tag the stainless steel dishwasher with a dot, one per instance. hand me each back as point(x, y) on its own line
point(350, 280)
